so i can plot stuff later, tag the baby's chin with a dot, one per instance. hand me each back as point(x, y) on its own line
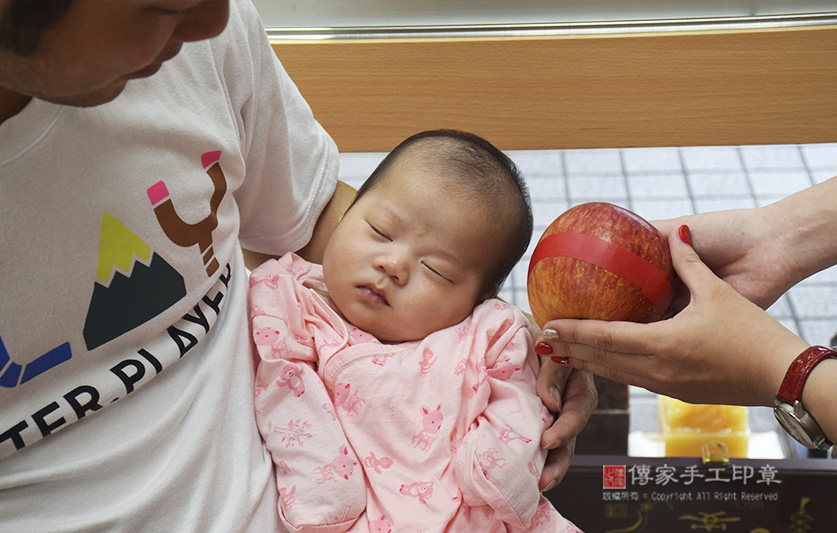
point(385, 330)
point(389, 333)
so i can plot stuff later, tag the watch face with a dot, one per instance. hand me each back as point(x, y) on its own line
point(792, 425)
point(800, 429)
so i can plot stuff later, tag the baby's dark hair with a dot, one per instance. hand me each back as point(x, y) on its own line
point(473, 166)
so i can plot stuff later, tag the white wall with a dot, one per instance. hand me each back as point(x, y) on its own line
point(359, 13)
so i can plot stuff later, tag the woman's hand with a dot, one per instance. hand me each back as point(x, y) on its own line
point(721, 348)
point(742, 247)
point(763, 252)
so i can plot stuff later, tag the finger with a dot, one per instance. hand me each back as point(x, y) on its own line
point(687, 263)
point(579, 400)
point(668, 225)
point(550, 384)
point(680, 300)
point(623, 337)
point(557, 463)
point(620, 351)
point(621, 367)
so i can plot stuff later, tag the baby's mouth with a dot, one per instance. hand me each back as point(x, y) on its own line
point(372, 294)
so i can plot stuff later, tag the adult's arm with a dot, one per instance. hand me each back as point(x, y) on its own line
point(763, 252)
point(340, 201)
point(721, 348)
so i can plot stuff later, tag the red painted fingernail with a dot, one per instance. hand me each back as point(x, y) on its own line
point(543, 348)
point(685, 234)
point(560, 360)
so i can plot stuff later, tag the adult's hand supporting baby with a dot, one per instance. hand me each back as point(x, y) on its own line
point(721, 348)
point(572, 394)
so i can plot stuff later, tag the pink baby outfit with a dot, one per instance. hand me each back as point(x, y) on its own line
point(439, 434)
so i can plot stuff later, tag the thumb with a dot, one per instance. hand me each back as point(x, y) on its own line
point(686, 261)
point(550, 384)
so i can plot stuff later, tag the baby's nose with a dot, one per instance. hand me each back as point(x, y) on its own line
point(395, 266)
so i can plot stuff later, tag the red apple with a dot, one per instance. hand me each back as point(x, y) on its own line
point(600, 261)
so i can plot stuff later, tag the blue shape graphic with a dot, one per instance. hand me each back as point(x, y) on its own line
point(10, 376)
point(49, 360)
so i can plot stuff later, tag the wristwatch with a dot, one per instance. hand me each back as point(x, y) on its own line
point(788, 406)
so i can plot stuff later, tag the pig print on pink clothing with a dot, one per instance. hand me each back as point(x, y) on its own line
point(422, 490)
point(431, 423)
point(358, 335)
point(427, 360)
point(543, 515)
point(503, 370)
point(270, 280)
point(483, 372)
point(464, 333)
point(507, 434)
point(380, 525)
point(491, 459)
point(293, 434)
point(376, 463)
point(381, 360)
point(268, 336)
point(291, 377)
point(345, 399)
point(287, 496)
point(341, 466)
point(534, 470)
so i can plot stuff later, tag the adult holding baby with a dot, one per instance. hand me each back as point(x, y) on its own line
point(142, 144)
point(721, 346)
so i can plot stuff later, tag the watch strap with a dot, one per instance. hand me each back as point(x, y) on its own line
point(791, 389)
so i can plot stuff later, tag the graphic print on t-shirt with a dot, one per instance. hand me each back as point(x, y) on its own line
point(183, 233)
point(13, 374)
point(142, 287)
point(133, 285)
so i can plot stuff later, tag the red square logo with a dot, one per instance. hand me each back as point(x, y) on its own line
point(613, 476)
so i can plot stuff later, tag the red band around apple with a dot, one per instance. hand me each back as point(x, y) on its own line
point(651, 280)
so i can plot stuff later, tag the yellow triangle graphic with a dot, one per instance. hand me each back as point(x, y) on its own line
point(117, 248)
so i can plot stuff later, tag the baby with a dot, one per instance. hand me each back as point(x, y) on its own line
point(393, 391)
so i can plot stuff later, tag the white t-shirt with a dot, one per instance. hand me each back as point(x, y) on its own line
point(126, 378)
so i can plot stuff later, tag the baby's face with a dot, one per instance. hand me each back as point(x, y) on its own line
point(409, 257)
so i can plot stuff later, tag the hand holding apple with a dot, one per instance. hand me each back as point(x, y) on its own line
point(600, 261)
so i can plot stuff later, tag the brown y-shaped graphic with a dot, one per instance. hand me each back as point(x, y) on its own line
point(200, 233)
